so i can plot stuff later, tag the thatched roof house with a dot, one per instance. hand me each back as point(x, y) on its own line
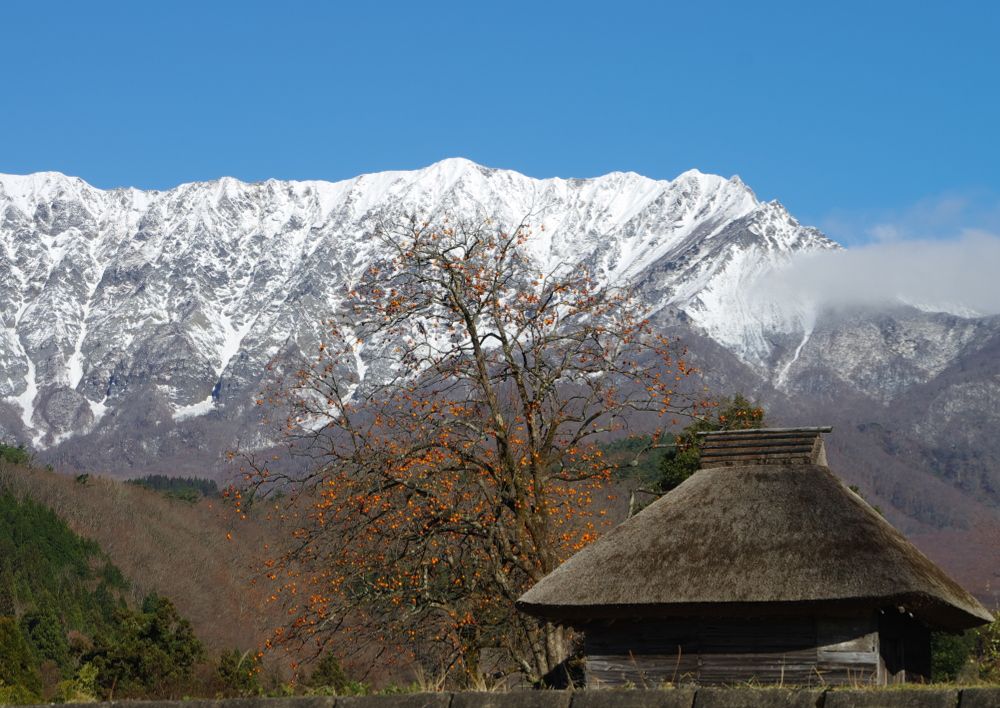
point(762, 566)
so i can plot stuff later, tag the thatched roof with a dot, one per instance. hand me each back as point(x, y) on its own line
point(753, 538)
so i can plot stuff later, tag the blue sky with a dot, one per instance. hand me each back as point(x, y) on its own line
point(856, 116)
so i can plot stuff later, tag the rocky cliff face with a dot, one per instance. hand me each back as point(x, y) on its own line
point(135, 327)
point(171, 304)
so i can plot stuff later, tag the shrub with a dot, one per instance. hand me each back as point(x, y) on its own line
point(16, 455)
point(329, 674)
point(239, 673)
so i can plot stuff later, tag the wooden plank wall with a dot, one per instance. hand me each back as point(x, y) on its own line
point(711, 652)
point(847, 651)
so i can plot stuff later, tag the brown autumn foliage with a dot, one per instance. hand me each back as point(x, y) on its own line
point(465, 467)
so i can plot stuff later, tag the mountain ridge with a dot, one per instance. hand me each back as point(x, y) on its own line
point(98, 242)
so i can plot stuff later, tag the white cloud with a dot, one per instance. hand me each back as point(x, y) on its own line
point(959, 275)
point(940, 254)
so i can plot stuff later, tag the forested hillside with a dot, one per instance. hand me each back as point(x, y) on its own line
point(170, 546)
point(82, 555)
point(67, 631)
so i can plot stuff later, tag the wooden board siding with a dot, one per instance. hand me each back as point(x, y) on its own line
point(641, 654)
point(783, 651)
point(847, 650)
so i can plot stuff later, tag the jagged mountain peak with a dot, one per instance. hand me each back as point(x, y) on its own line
point(25, 192)
point(442, 174)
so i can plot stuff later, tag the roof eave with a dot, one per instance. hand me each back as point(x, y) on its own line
point(934, 612)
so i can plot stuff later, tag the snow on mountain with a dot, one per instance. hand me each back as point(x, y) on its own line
point(136, 326)
point(166, 306)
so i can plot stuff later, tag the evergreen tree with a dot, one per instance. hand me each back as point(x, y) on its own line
point(329, 674)
point(149, 653)
point(18, 666)
point(47, 636)
point(684, 458)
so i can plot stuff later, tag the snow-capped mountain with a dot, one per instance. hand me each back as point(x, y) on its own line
point(136, 326)
point(179, 298)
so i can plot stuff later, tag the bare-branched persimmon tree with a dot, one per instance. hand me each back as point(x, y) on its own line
point(464, 466)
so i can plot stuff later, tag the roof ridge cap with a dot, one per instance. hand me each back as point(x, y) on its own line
point(747, 431)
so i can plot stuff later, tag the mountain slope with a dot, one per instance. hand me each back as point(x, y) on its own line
point(165, 546)
point(136, 327)
point(177, 300)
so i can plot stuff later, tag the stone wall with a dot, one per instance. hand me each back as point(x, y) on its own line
point(674, 698)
